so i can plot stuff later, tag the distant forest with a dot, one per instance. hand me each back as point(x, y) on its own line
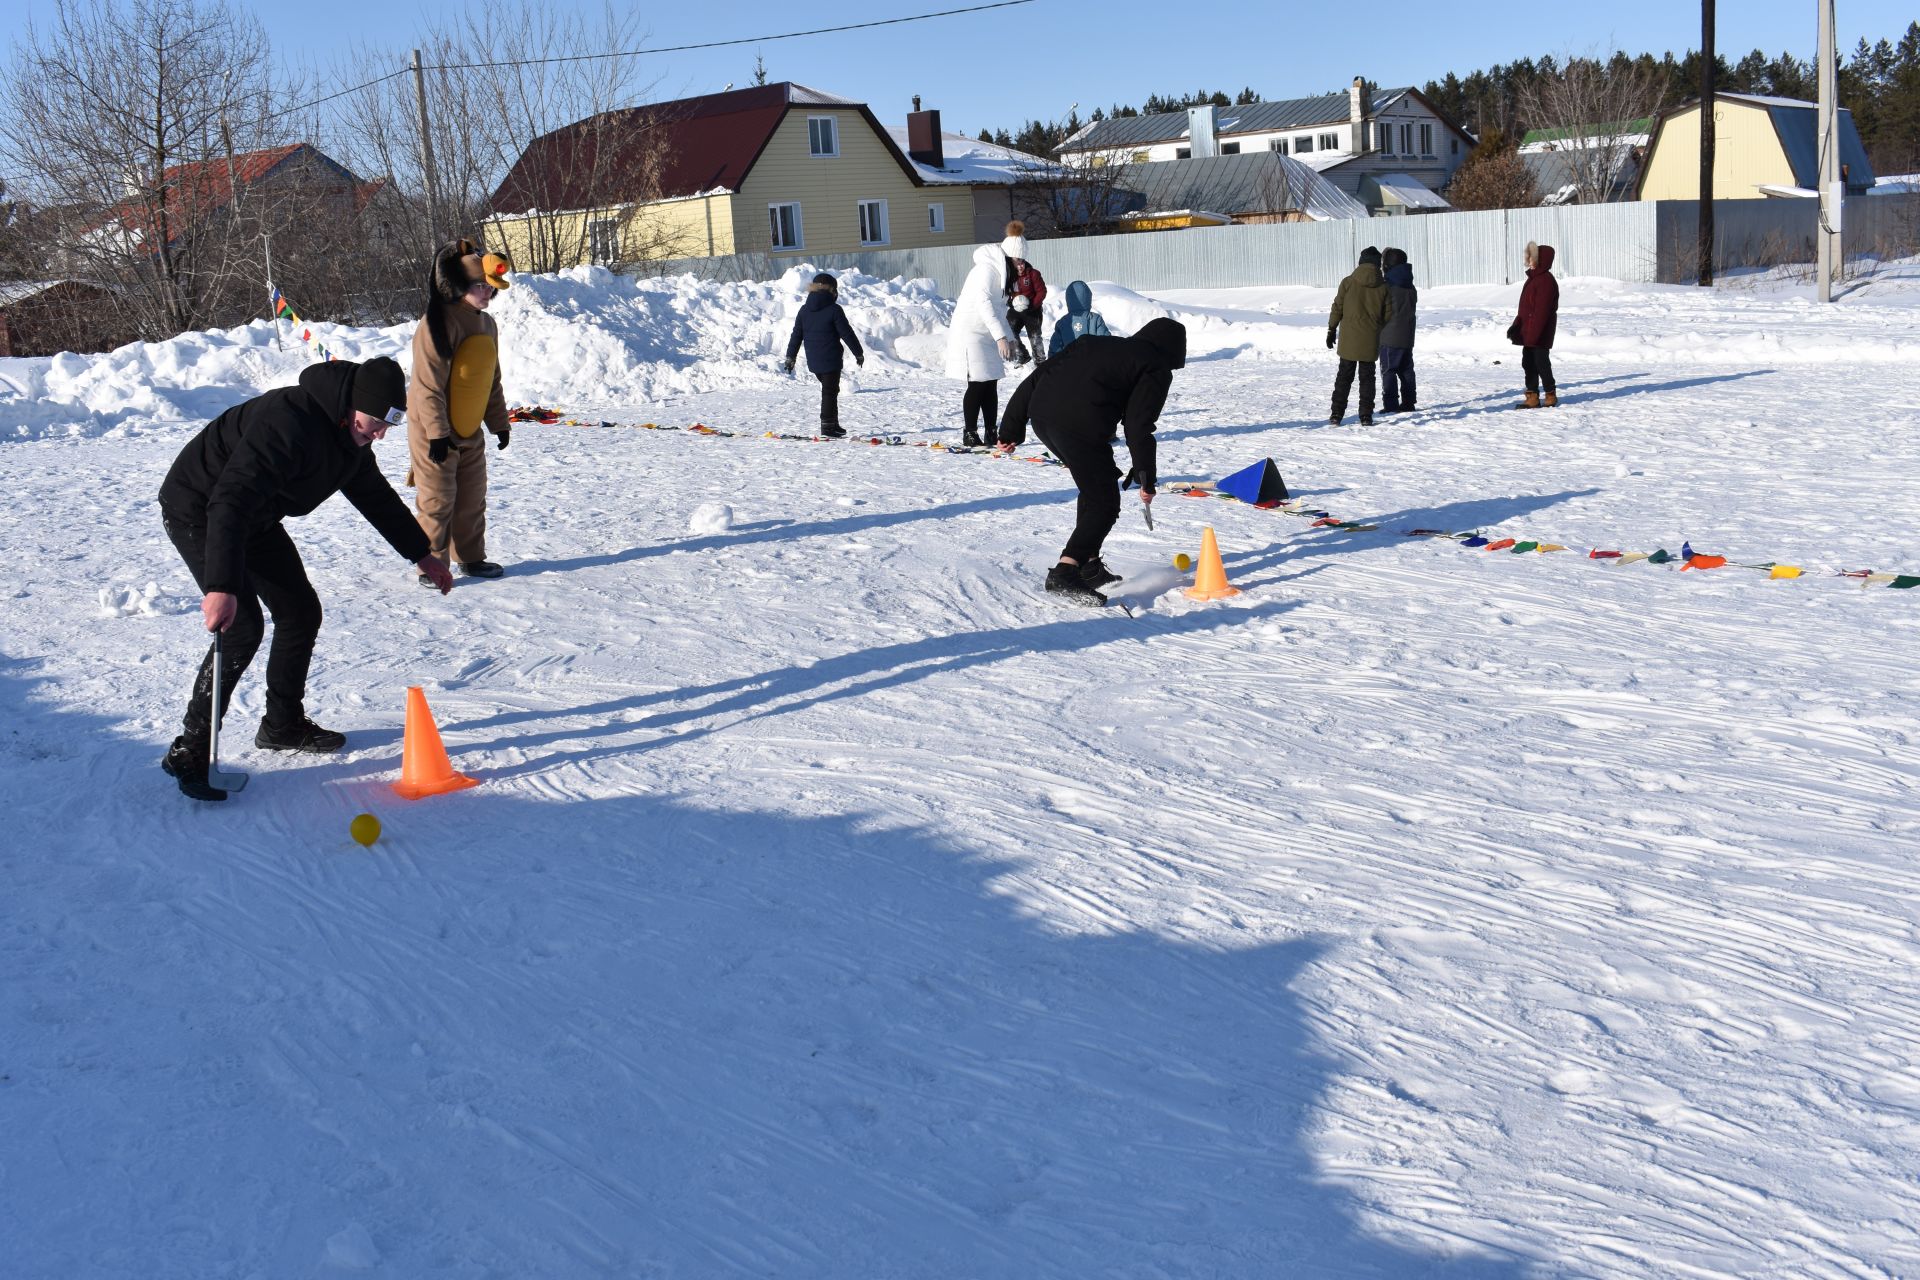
point(1879, 84)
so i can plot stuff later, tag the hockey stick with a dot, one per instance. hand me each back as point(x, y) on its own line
point(217, 778)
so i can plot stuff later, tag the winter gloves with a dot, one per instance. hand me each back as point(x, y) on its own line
point(437, 450)
point(1331, 338)
point(502, 441)
point(789, 367)
point(861, 360)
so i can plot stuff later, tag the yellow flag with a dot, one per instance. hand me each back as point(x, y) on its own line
point(1784, 571)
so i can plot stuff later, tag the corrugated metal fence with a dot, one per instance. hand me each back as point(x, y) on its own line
point(1639, 241)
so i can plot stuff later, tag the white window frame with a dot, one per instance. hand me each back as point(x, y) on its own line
point(1277, 144)
point(1229, 148)
point(773, 226)
point(1406, 139)
point(1426, 140)
point(936, 218)
point(1383, 137)
point(860, 212)
point(1303, 144)
point(831, 133)
point(1329, 142)
point(603, 241)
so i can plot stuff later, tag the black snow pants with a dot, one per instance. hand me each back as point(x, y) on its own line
point(1343, 383)
point(1537, 364)
point(276, 578)
point(1026, 327)
point(1396, 379)
point(1090, 463)
point(829, 398)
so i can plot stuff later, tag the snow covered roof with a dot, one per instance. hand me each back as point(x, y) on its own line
point(971, 161)
point(1407, 191)
point(12, 291)
point(1900, 184)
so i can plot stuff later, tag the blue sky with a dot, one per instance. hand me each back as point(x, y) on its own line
point(1000, 68)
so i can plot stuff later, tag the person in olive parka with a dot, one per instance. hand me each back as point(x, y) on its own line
point(822, 326)
point(1075, 401)
point(1361, 308)
point(275, 456)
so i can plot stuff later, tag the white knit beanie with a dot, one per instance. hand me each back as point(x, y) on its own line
point(1015, 245)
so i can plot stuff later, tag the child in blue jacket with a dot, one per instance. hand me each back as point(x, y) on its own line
point(1081, 320)
point(822, 326)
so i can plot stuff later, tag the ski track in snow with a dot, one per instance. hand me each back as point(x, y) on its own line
point(836, 905)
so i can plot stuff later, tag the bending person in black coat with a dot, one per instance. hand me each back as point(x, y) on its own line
point(278, 455)
point(1075, 401)
point(822, 326)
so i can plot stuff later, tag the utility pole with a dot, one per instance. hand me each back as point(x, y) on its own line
point(426, 155)
point(1707, 67)
point(1832, 194)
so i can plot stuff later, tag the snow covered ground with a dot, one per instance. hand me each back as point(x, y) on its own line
point(836, 905)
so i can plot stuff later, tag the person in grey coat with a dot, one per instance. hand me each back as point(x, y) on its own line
point(1396, 336)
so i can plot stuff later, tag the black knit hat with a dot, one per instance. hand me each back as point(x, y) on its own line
point(1370, 256)
point(380, 390)
point(825, 281)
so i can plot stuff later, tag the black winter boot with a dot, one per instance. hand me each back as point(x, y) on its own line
point(970, 438)
point(305, 736)
point(481, 569)
point(1095, 574)
point(833, 431)
point(186, 763)
point(1064, 580)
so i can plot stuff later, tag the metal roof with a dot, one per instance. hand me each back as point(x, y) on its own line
point(1256, 182)
point(1251, 117)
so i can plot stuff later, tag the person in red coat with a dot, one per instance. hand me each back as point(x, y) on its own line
point(1533, 330)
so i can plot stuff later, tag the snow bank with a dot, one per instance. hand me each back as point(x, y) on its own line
point(581, 336)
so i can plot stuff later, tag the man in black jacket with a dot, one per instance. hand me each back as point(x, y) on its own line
point(1075, 401)
point(278, 455)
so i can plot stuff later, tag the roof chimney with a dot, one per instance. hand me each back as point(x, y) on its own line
point(1357, 107)
point(924, 142)
point(1200, 132)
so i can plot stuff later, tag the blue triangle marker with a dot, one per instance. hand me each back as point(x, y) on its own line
point(1256, 484)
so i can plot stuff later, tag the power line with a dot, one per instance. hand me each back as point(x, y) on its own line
point(721, 44)
point(343, 93)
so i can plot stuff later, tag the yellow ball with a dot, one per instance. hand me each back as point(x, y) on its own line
point(1183, 562)
point(365, 829)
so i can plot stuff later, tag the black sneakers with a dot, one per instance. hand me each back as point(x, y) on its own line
point(1096, 574)
point(304, 735)
point(186, 763)
point(481, 569)
point(1064, 580)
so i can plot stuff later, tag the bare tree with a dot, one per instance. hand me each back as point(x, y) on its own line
point(123, 114)
point(1069, 194)
point(1595, 113)
point(1493, 177)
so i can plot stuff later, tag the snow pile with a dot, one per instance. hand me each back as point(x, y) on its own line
point(711, 517)
point(147, 602)
point(581, 336)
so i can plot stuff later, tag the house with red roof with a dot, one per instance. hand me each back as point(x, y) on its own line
point(778, 168)
point(190, 198)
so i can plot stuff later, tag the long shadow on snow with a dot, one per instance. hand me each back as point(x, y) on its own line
point(1573, 393)
point(847, 675)
point(781, 531)
point(1451, 517)
point(637, 1036)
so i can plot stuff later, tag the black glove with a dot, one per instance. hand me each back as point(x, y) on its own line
point(437, 450)
point(789, 366)
point(501, 440)
point(1330, 339)
point(1130, 479)
point(860, 360)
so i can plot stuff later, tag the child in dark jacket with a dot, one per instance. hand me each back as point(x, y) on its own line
point(1396, 336)
point(822, 326)
point(1532, 330)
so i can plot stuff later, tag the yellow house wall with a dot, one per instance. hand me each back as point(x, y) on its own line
point(701, 228)
point(1746, 153)
point(829, 189)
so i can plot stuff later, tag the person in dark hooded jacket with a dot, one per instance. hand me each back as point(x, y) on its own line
point(1532, 330)
point(822, 326)
point(1396, 336)
point(1075, 401)
point(270, 458)
point(1081, 320)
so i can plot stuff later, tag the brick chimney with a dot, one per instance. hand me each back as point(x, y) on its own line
point(1357, 110)
point(924, 142)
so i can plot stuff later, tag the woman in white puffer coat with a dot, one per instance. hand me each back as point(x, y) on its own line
point(979, 343)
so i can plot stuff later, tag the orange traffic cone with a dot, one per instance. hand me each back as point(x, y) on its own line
point(424, 767)
point(1210, 580)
